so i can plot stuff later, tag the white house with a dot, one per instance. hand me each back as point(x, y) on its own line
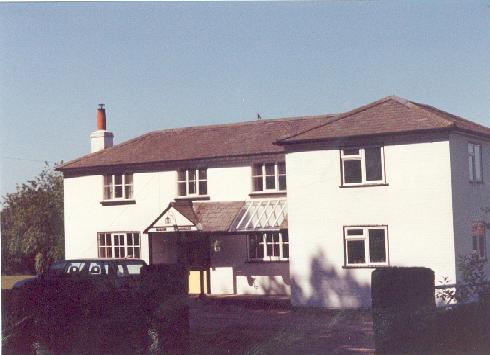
point(304, 206)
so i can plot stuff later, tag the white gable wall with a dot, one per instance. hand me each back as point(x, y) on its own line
point(416, 207)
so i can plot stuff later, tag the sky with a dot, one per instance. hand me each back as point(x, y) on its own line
point(164, 65)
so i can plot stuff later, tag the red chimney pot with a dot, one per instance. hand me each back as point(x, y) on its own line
point(101, 120)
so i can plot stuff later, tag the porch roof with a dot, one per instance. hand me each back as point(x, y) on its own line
point(222, 216)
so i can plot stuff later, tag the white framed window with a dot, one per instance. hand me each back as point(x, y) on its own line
point(366, 245)
point(478, 236)
point(362, 166)
point(192, 182)
point(118, 186)
point(268, 246)
point(119, 245)
point(475, 162)
point(269, 177)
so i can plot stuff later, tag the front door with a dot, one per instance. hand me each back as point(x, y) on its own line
point(195, 253)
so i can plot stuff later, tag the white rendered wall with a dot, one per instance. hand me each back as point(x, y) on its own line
point(416, 207)
point(469, 198)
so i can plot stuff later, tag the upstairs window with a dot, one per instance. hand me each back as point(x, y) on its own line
point(118, 187)
point(475, 162)
point(268, 246)
point(269, 177)
point(362, 166)
point(366, 246)
point(192, 182)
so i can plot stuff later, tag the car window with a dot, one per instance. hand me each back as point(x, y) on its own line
point(134, 269)
point(120, 270)
point(57, 268)
point(74, 267)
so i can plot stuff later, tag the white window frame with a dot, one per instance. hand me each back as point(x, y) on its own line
point(475, 162)
point(187, 182)
point(362, 158)
point(126, 185)
point(263, 243)
point(263, 175)
point(364, 237)
point(124, 247)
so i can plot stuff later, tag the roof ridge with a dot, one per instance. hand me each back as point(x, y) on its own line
point(345, 114)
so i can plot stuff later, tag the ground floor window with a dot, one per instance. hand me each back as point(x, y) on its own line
point(119, 245)
point(268, 246)
point(366, 245)
point(479, 242)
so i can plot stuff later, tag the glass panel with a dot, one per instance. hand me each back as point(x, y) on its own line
point(181, 175)
point(282, 182)
point(350, 151)
point(258, 184)
point(118, 179)
point(285, 237)
point(202, 174)
point(354, 231)
point(128, 192)
point(118, 192)
point(269, 249)
point(478, 169)
point(137, 252)
point(136, 239)
point(101, 240)
point(269, 169)
point(270, 182)
point(109, 253)
point(192, 187)
point(257, 170)
point(275, 237)
point(130, 252)
point(108, 240)
point(102, 252)
point(128, 179)
point(281, 168)
point(352, 171)
point(260, 251)
point(192, 175)
point(203, 188)
point(285, 251)
point(471, 149)
point(377, 251)
point(276, 250)
point(355, 252)
point(374, 169)
point(182, 189)
point(130, 239)
point(269, 238)
point(107, 192)
point(471, 168)
point(116, 253)
point(134, 269)
point(107, 179)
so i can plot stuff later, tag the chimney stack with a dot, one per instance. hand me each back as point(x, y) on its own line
point(101, 139)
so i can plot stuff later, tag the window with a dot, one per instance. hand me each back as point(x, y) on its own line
point(365, 246)
point(475, 162)
point(119, 245)
point(268, 246)
point(269, 177)
point(192, 182)
point(361, 166)
point(118, 186)
point(479, 240)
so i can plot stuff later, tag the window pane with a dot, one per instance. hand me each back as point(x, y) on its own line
point(108, 240)
point(276, 250)
point(203, 174)
point(257, 169)
point(270, 182)
point(109, 253)
point(285, 237)
point(137, 252)
point(128, 192)
point(116, 253)
point(478, 175)
point(118, 179)
point(192, 187)
point(130, 239)
point(374, 169)
point(269, 249)
point(107, 179)
point(269, 169)
point(352, 171)
point(102, 252)
point(101, 240)
point(136, 239)
point(350, 151)
point(128, 179)
point(281, 168)
point(258, 184)
point(377, 251)
point(260, 250)
point(181, 175)
point(275, 237)
point(107, 192)
point(118, 192)
point(356, 252)
point(282, 182)
point(269, 238)
point(471, 167)
point(203, 188)
point(192, 175)
point(182, 189)
point(285, 251)
point(354, 231)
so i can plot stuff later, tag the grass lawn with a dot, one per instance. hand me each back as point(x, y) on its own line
point(8, 281)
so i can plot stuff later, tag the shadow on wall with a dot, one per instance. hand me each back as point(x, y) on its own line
point(327, 286)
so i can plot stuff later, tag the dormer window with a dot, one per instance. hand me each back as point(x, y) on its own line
point(192, 182)
point(269, 177)
point(118, 186)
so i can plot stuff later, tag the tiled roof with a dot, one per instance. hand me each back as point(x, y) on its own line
point(390, 115)
point(217, 216)
point(227, 140)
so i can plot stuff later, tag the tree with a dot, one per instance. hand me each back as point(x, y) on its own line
point(32, 224)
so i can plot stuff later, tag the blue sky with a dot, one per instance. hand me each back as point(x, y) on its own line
point(165, 65)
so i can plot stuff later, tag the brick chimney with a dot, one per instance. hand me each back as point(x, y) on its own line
point(100, 139)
